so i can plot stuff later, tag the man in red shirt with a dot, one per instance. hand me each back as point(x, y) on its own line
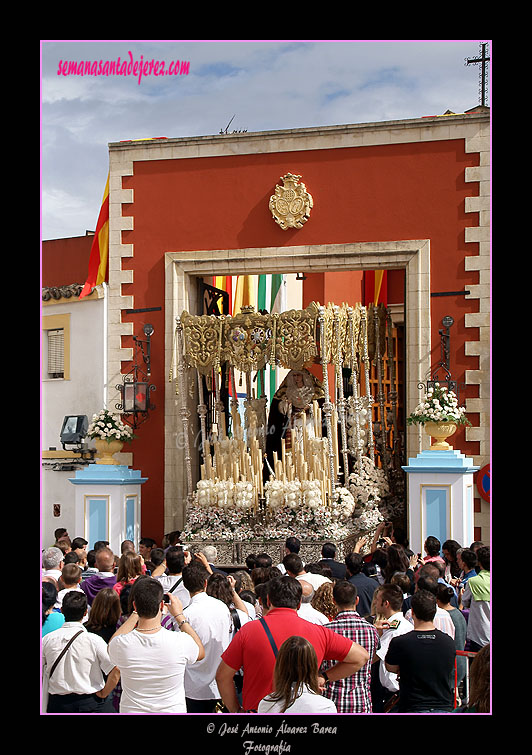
point(252, 650)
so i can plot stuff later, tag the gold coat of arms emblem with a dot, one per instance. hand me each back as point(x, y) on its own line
point(291, 204)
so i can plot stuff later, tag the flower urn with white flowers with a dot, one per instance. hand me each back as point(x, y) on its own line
point(109, 434)
point(440, 415)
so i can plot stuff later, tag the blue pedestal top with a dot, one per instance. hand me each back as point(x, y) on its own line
point(107, 474)
point(452, 462)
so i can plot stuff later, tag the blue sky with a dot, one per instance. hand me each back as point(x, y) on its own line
point(279, 84)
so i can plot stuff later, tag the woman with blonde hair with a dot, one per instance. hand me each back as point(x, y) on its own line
point(129, 569)
point(295, 681)
point(323, 600)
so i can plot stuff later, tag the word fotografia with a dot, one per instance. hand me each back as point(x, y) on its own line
point(126, 67)
point(250, 746)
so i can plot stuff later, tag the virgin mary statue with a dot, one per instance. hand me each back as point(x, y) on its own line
point(291, 407)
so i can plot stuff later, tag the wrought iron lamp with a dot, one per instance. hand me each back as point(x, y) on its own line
point(445, 379)
point(135, 389)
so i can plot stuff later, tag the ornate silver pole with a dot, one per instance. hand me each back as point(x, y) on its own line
point(380, 394)
point(184, 411)
point(263, 404)
point(369, 397)
point(236, 425)
point(202, 411)
point(355, 399)
point(327, 405)
point(218, 405)
point(340, 401)
point(393, 392)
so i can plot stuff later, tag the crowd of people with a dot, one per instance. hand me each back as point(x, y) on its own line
point(167, 630)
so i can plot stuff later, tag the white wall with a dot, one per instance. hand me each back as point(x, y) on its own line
point(82, 393)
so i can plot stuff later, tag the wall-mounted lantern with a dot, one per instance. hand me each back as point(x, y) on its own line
point(135, 389)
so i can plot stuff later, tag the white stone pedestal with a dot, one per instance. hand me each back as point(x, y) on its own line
point(108, 504)
point(440, 498)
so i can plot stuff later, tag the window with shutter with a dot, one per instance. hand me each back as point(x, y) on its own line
point(56, 353)
point(56, 347)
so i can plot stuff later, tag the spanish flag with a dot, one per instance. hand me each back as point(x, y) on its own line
point(375, 287)
point(225, 283)
point(100, 247)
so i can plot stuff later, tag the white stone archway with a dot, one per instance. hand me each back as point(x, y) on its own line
point(181, 270)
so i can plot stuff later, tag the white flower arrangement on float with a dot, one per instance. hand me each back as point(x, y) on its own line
point(279, 494)
point(204, 522)
point(281, 526)
point(108, 426)
point(299, 505)
point(367, 521)
point(343, 504)
point(368, 483)
point(224, 494)
point(221, 509)
point(311, 492)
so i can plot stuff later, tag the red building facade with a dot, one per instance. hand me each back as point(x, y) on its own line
point(409, 197)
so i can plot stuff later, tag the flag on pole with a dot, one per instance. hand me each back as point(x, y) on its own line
point(262, 292)
point(245, 292)
point(264, 284)
point(100, 248)
point(375, 287)
point(277, 304)
point(224, 283)
point(278, 294)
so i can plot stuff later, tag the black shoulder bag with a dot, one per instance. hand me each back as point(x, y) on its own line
point(63, 651)
point(269, 635)
point(176, 584)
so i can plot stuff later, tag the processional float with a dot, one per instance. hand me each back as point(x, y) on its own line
point(330, 435)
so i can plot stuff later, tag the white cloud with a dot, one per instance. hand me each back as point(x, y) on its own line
point(265, 85)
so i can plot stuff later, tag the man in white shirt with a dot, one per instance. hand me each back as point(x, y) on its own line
point(306, 610)
point(152, 660)
point(294, 568)
point(77, 684)
point(173, 581)
point(211, 619)
point(388, 603)
point(52, 562)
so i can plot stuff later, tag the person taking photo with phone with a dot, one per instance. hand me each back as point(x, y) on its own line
point(151, 659)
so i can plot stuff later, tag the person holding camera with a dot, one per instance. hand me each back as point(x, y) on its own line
point(171, 577)
point(152, 660)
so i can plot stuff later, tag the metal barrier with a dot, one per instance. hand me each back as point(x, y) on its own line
point(469, 655)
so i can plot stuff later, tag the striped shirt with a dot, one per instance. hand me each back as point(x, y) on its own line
point(352, 694)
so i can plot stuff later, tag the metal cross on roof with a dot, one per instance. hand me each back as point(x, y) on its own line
point(483, 60)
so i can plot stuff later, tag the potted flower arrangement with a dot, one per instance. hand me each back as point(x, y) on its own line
point(109, 434)
point(440, 415)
